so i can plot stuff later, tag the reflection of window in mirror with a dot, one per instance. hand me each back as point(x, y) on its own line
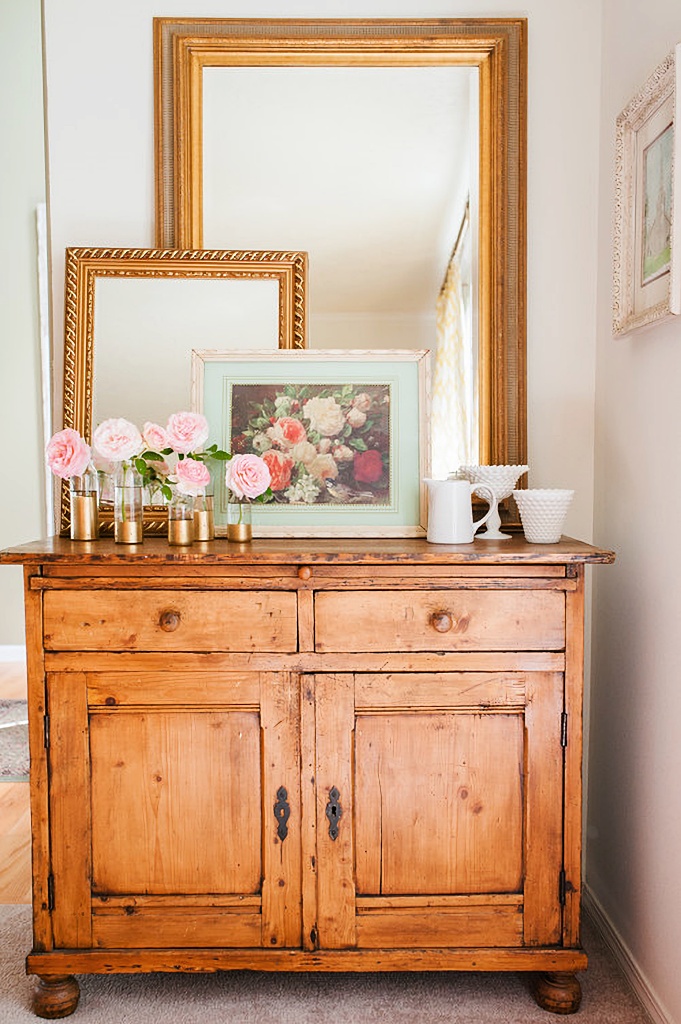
point(454, 406)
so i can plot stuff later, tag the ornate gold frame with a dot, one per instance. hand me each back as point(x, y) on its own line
point(84, 266)
point(498, 48)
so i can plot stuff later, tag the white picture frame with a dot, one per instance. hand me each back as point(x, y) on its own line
point(647, 237)
point(224, 384)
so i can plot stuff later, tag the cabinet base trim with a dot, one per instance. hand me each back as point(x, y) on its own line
point(206, 960)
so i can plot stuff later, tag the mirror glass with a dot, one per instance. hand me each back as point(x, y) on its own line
point(374, 187)
point(368, 142)
point(145, 329)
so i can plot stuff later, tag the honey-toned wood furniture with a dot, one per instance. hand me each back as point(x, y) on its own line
point(305, 755)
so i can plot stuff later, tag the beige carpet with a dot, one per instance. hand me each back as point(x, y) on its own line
point(244, 998)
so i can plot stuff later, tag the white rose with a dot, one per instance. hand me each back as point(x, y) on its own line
point(303, 452)
point(325, 416)
point(342, 453)
point(355, 417)
point(261, 442)
point(323, 468)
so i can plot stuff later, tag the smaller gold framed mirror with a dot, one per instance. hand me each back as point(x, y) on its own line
point(133, 316)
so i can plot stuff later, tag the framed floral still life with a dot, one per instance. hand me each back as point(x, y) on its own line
point(647, 251)
point(343, 434)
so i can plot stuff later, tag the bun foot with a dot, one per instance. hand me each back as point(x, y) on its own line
point(557, 991)
point(55, 996)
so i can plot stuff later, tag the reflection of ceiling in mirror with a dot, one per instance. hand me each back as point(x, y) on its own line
point(145, 330)
point(367, 169)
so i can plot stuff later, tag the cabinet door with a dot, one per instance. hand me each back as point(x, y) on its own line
point(174, 809)
point(439, 809)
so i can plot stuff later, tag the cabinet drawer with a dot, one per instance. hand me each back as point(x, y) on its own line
point(445, 620)
point(164, 620)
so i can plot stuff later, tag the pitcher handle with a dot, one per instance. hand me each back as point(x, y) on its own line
point(477, 489)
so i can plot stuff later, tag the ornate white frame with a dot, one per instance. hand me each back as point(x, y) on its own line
point(663, 87)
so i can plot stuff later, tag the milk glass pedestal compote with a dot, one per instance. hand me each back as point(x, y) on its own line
point(502, 481)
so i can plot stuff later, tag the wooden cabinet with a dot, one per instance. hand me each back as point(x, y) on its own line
point(307, 755)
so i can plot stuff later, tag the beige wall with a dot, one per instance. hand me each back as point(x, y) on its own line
point(634, 819)
point(101, 179)
point(22, 187)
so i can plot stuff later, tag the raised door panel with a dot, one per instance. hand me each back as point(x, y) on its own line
point(184, 809)
point(158, 826)
point(448, 825)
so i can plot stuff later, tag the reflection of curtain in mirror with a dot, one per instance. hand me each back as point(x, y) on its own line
point(454, 426)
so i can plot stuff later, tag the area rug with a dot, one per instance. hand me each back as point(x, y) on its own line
point(14, 759)
point(258, 998)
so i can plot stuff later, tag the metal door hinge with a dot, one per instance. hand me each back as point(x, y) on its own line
point(562, 887)
point(563, 729)
point(50, 892)
point(46, 731)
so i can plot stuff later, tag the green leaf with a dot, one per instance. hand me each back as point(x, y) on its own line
point(152, 456)
point(167, 493)
point(358, 444)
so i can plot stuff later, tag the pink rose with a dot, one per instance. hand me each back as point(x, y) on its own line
point(247, 476)
point(118, 440)
point(68, 454)
point(368, 467)
point(155, 437)
point(192, 477)
point(362, 402)
point(286, 432)
point(187, 431)
point(280, 465)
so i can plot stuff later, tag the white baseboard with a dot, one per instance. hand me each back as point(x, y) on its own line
point(624, 958)
point(12, 652)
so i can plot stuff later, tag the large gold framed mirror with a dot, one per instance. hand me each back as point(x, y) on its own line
point(227, 151)
point(133, 317)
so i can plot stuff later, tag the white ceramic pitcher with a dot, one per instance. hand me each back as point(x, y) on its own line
point(450, 510)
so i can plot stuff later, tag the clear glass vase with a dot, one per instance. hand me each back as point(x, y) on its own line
point(128, 505)
point(84, 498)
point(181, 519)
point(239, 526)
point(204, 517)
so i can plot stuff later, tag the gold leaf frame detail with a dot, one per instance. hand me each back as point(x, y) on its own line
point(85, 265)
point(497, 47)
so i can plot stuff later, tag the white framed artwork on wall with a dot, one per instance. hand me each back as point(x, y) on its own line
point(647, 242)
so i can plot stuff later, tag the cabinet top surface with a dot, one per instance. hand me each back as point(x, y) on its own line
point(379, 551)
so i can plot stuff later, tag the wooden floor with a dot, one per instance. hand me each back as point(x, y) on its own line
point(15, 825)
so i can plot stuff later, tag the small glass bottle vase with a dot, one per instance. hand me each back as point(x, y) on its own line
point(84, 499)
point(239, 526)
point(128, 505)
point(204, 517)
point(181, 519)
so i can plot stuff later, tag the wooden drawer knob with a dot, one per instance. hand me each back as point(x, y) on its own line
point(304, 572)
point(441, 621)
point(169, 620)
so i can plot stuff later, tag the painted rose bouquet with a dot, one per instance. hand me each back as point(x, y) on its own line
point(321, 443)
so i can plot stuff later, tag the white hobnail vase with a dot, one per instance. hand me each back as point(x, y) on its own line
point(501, 480)
point(542, 513)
